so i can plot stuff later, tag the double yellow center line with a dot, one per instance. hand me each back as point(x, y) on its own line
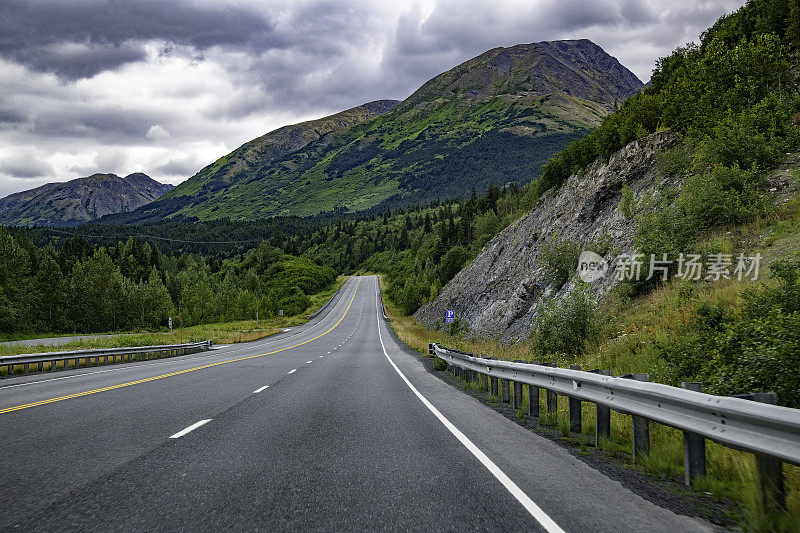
point(154, 378)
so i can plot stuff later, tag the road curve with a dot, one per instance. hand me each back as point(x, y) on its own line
point(333, 425)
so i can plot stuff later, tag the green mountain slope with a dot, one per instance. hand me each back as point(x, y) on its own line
point(495, 118)
point(80, 200)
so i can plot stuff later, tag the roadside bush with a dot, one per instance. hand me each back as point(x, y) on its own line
point(758, 355)
point(723, 195)
point(566, 326)
point(755, 350)
point(295, 302)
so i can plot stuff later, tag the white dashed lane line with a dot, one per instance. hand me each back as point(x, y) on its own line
point(292, 371)
point(191, 428)
point(261, 389)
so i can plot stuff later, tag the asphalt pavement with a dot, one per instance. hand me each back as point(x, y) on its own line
point(330, 426)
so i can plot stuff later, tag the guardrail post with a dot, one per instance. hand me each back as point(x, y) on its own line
point(431, 351)
point(641, 425)
point(494, 382)
point(770, 469)
point(694, 446)
point(575, 425)
point(533, 399)
point(518, 389)
point(506, 389)
point(550, 396)
point(602, 417)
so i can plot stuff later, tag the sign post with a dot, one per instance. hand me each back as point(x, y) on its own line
point(256, 319)
point(170, 330)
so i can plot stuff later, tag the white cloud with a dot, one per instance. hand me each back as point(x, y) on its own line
point(157, 133)
point(169, 98)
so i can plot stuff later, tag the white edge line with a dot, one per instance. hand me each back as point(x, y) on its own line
point(535, 511)
point(191, 428)
point(260, 389)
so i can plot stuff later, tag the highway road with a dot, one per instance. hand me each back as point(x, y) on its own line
point(331, 426)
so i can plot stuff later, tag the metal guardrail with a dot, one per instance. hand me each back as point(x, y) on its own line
point(770, 431)
point(140, 353)
point(383, 307)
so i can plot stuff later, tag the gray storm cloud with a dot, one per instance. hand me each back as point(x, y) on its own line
point(81, 78)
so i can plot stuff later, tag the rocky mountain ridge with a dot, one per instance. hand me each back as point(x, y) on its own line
point(80, 200)
point(495, 118)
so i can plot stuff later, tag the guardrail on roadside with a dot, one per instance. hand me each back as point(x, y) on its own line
point(140, 353)
point(750, 422)
point(383, 307)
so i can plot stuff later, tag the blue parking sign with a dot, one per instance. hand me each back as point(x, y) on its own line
point(450, 316)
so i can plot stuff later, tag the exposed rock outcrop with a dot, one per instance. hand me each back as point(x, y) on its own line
point(499, 293)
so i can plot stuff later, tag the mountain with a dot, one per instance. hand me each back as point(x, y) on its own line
point(80, 200)
point(495, 118)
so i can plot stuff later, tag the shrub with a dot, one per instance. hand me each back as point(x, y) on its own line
point(755, 350)
point(560, 259)
point(565, 327)
point(723, 195)
point(627, 203)
point(675, 161)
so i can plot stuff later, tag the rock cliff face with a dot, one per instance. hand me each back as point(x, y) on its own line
point(499, 294)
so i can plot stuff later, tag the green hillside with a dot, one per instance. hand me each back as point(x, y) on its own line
point(495, 118)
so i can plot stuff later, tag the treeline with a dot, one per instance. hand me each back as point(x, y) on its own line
point(419, 250)
point(220, 238)
point(131, 285)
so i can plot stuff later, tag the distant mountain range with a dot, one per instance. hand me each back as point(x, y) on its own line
point(80, 200)
point(495, 118)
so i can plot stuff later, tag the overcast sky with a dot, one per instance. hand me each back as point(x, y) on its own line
point(166, 87)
